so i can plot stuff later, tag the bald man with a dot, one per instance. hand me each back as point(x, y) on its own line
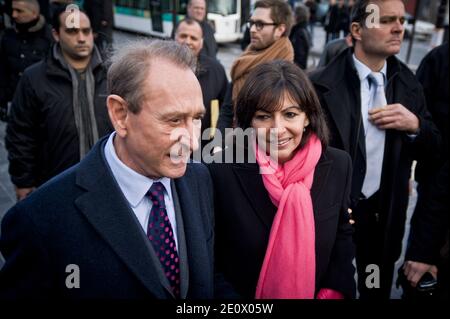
point(197, 10)
point(210, 73)
point(26, 43)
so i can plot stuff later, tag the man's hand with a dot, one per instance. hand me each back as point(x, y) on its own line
point(414, 270)
point(21, 193)
point(394, 116)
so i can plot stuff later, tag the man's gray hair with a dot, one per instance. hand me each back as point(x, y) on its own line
point(131, 64)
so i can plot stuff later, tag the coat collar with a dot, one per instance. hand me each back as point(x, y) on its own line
point(339, 81)
point(253, 187)
point(116, 224)
point(342, 68)
point(57, 66)
point(115, 219)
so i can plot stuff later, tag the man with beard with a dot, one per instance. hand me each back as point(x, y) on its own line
point(270, 25)
point(58, 111)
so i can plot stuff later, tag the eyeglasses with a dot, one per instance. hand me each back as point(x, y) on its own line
point(259, 25)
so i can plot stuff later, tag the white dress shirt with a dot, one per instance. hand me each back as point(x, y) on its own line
point(135, 187)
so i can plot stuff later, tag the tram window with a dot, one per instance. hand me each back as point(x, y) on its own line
point(167, 6)
point(135, 4)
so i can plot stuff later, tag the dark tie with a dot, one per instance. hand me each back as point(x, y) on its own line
point(160, 234)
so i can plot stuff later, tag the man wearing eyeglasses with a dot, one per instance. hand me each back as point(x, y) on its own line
point(269, 25)
point(58, 111)
point(377, 113)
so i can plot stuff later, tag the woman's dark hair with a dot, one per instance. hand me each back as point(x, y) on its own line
point(265, 89)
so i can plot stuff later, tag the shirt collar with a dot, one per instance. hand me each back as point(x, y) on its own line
point(133, 185)
point(363, 70)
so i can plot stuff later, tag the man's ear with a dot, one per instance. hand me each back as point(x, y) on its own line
point(55, 35)
point(355, 30)
point(118, 113)
point(279, 31)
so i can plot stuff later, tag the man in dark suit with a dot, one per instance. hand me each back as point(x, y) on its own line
point(21, 46)
point(429, 224)
point(197, 10)
point(132, 220)
point(210, 73)
point(377, 113)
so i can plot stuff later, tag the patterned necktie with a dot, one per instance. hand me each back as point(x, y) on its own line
point(375, 138)
point(160, 234)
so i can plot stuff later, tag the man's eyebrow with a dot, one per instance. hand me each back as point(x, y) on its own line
point(392, 17)
point(183, 114)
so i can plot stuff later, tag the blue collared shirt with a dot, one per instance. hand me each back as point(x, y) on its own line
point(363, 72)
point(135, 187)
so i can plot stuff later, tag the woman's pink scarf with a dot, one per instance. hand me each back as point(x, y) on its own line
point(289, 266)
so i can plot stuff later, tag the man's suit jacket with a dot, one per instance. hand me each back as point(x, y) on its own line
point(244, 216)
point(338, 88)
point(82, 218)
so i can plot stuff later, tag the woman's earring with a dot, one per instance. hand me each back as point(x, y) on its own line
point(304, 129)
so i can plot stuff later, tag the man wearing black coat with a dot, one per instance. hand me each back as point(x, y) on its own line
point(58, 111)
point(197, 10)
point(132, 220)
point(429, 224)
point(300, 37)
point(377, 113)
point(210, 73)
point(26, 43)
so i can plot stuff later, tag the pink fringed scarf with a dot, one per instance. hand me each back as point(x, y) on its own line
point(289, 266)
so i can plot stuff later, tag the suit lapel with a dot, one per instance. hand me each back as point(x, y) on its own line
point(194, 231)
point(107, 210)
point(320, 179)
point(340, 115)
point(253, 187)
point(355, 91)
point(345, 87)
point(182, 249)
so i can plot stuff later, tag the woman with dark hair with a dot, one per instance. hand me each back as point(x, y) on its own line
point(282, 225)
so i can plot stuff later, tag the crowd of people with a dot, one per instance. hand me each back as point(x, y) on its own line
point(308, 176)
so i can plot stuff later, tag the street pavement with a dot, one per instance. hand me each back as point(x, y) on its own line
point(227, 53)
